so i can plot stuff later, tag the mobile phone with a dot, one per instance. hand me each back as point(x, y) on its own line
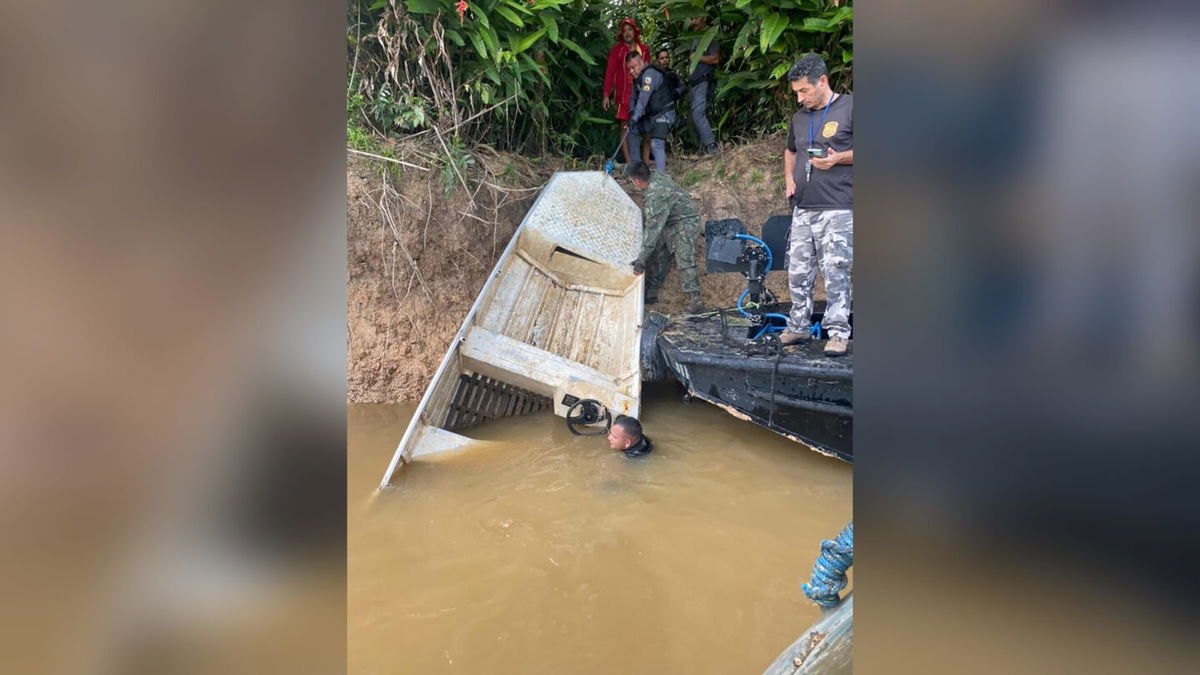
point(816, 152)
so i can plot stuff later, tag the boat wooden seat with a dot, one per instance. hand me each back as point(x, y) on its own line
point(532, 368)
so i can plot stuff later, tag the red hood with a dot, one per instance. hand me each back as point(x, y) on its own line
point(637, 32)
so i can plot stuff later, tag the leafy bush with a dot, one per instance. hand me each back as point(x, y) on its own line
point(525, 75)
point(760, 39)
point(535, 67)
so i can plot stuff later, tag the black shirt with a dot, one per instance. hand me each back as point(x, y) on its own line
point(833, 188)
point(704, 71)
point(642, 447)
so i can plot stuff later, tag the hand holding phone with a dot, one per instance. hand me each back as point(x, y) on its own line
point(825, 160)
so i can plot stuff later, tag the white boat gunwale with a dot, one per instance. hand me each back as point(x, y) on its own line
point(628, 378)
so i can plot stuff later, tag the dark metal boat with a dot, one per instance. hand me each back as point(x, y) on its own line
point(794, 391)
point(730, 358)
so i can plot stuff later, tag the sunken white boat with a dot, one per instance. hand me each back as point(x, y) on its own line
point(558, 321)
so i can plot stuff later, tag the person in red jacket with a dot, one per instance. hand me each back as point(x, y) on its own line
point(617, 82)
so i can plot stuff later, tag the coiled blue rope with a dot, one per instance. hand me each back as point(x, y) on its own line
point(829, 571)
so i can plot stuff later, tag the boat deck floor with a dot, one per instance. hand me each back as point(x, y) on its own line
point(707, 334)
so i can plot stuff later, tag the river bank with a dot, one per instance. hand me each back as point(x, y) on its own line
point(423, 236)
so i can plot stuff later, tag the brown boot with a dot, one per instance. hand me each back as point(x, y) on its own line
point(789, 338)
point(696, 306)
point(837, 346)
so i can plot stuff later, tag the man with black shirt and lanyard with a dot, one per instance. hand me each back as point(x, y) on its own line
point(819, 173)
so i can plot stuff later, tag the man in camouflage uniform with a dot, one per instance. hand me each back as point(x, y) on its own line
point(819, 173)
point(670, 225)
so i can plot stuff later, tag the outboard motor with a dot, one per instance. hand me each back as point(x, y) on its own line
point(729, 249)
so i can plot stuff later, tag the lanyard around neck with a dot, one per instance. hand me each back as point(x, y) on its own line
point(811, 115)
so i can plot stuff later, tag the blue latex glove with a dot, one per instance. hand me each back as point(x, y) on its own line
point(608, 167)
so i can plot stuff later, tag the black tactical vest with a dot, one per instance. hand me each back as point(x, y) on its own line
point(662, 98)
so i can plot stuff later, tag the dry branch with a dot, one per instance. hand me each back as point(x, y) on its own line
point(386, 159)
point(387, 214)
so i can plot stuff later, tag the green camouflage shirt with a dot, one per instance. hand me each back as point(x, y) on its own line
point(666, 204)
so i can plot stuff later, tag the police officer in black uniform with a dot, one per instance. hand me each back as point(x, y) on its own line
point(652, 108)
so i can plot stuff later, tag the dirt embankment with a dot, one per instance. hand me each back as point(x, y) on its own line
point(416, 259)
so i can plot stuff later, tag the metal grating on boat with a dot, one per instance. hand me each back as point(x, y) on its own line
point(581, 201)
point(479, 398)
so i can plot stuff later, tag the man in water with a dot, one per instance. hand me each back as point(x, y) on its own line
point(626, 435)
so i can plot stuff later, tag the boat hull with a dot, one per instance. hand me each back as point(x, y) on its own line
point(827, 647)
point(797, 391)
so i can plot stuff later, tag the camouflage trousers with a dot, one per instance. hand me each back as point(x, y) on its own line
point(678, 240)
point(825, 240)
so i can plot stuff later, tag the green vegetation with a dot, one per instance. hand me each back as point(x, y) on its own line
point(358, 138)
point(691, 179)
point(526, 76)
point(454, 167)
point(760, 39)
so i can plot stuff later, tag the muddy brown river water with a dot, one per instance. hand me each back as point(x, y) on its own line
point(543, 552)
